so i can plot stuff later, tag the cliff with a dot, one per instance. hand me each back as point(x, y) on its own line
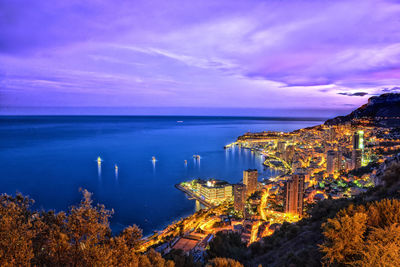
point(383, 110)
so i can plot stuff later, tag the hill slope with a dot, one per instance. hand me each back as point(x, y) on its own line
point(382, 110)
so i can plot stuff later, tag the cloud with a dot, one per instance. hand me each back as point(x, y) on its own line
point(354, 94)
point(240, 53)
point(392, 89)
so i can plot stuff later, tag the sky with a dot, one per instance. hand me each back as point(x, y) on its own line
point(155, 55)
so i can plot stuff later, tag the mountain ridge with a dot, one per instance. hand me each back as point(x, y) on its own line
point(382, 110)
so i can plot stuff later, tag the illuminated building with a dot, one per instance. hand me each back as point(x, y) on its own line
point(358, 140)
point(295, 165)
point(239, 197)
point(331, 134)
point(339, 160)
point(281, 147)
point(289, 152)
point(356, 158)
point(250, 180)
point(331, 158)
point(303, 172)
point(358, 149)
point(294, 192)
point(214, 191)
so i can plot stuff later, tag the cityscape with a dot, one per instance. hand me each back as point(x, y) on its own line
point(321, 162)
point(181, 133)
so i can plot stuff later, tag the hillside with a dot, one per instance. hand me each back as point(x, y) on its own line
point(380, 110)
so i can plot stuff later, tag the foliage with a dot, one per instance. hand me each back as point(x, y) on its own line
point(364, 235)
point(228, 245)
point(223, 262)
point(81, 237)
point(392, 175)
point(364, 170)
point(180, 259)
point(16, 231)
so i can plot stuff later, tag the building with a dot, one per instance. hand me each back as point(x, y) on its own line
point(214, 191)
point(281, 146)
point(339, 160)
point(239, 197)
point(356, 158)
point(331, 159)
point(294, 192)
point(250, 180)
point(331, 134)
point(358, 140)
point(358, 149)
point(289, 153)
point(296, 165)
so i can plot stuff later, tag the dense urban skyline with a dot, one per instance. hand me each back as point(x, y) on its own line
point(242, 54)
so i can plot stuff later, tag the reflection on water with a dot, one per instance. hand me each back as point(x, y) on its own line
point(59, 152)
point(116, 171)
point(99, 169)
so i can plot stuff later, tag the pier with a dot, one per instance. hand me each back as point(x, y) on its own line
point(194, 196)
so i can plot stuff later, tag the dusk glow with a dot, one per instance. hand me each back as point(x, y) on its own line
point(207, 133)
point(219, 54)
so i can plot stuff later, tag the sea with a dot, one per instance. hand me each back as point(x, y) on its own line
point(50, 158)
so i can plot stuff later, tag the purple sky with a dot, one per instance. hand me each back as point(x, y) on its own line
point(209, 53)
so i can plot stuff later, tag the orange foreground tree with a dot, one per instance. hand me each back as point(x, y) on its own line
point(364, 235)
point(81, 237)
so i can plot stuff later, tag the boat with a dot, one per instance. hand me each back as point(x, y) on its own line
point(179, 121)
point(116, 167)
point(196, 156)
point(185, 161)
point(153, 158)
point(99, 160)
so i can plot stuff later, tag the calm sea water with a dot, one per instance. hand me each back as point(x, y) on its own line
point(50, 158)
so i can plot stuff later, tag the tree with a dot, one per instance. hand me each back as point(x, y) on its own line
point(364, 236)
point(81, 237)
point(391, 175)
point(180, 258)
point(132, 236)
point(344, 238)
point(223, 262)
point(227, 245)
point(88, 232)
point(382, 247)
point(16, 231)
point(51, 243)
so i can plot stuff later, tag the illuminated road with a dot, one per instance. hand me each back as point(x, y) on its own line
point(263, 203)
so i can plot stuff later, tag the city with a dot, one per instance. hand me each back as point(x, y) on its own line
point(316, 163)
point(179, 133)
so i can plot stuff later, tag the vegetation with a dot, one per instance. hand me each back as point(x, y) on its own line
point(180, 259)
point(222, 262)
point(227, 245)
point(364, 235)
point(81, 237)
point(362, 231)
